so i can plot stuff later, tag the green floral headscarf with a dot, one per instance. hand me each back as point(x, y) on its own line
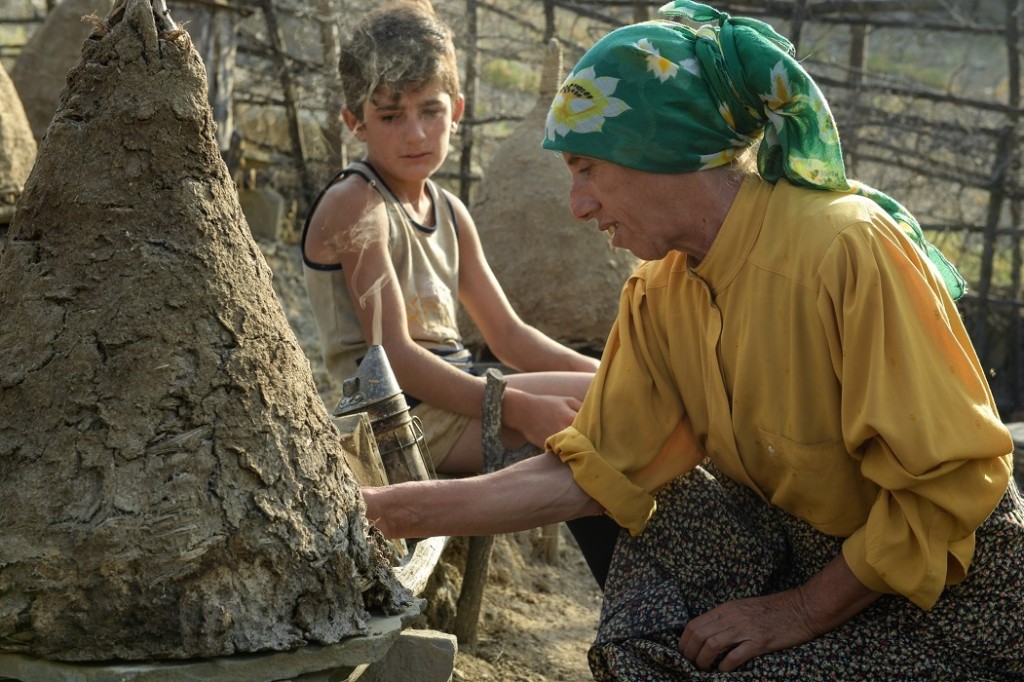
point(663, 97)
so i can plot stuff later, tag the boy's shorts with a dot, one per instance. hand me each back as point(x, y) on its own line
point(441, 429)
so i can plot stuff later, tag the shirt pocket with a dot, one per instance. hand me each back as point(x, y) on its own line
point(816, 482)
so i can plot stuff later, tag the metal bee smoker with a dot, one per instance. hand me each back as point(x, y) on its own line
point(399, 435)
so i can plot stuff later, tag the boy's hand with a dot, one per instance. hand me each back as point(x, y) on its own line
point(538, 416)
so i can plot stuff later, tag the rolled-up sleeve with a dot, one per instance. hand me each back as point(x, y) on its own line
point(917, 410)
point(631, 435)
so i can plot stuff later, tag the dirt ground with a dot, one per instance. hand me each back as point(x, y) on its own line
point(537, 619)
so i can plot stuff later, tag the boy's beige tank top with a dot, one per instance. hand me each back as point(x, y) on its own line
point(426, 262)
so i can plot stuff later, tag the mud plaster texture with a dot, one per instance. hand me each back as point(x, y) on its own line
point(172, 483)
point(537, 619)
point(40, 71)
point(17, 147)
point(561, 275)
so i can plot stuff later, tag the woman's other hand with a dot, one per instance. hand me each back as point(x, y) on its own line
point(737, 631)
point(741, 630)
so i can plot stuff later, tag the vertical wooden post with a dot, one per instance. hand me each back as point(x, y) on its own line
point(1014, 10)
point(1003, 174)
point(996, 198)
point(856, 77)
point(328, 15)
point(549, 21)
point(471, 596)
point(796, 21)
point(469, 91)
point(288, 91)
point(222, 74)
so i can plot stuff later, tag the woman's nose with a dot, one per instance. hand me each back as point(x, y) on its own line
point(581, 204)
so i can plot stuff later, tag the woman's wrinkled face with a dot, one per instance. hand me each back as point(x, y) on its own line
point(630, 205)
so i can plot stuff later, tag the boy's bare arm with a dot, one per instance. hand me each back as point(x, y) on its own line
point(350, 228)
point(535, 492)
point(344, 204)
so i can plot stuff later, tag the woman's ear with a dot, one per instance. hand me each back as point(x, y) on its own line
point(352, 122)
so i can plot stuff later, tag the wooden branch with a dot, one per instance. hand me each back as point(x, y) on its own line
point(862, 115)
point(221, 5)
point(926, 169)
point(888, 22)
point(784, 8)
point(471, 596)
point(585, 11)
point(921, 93)
point(835, 6)
point(514, 18)
point(295, 65)
point(872, 13)
point(420, 564)
point(966, 228)
point(492, 119)
point(164, 22)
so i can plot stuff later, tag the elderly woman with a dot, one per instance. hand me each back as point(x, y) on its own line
point(789, 418)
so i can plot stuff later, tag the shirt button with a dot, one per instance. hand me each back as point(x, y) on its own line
point(771, 449)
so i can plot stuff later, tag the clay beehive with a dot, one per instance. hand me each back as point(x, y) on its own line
point(561, 275)
point(17, 148)
point(172, 485)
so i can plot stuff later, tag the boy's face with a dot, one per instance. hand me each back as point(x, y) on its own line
point(407, 135)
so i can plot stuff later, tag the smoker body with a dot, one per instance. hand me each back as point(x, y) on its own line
point(399, 435)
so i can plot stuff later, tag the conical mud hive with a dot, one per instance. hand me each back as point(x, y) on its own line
point(171, 484)
point(567, 281)
point(17, 148)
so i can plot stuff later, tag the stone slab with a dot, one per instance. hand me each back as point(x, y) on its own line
point(339, 660)
point(420, 655)
point(264, 210)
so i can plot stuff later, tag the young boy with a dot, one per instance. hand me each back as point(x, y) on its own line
point(386, 252)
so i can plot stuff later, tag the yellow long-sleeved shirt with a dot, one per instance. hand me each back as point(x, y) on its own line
point(814, 356)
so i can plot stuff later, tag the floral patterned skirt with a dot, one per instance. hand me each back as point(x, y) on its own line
point(713, 540)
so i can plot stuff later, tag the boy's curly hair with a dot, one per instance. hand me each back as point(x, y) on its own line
point(397, 45)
